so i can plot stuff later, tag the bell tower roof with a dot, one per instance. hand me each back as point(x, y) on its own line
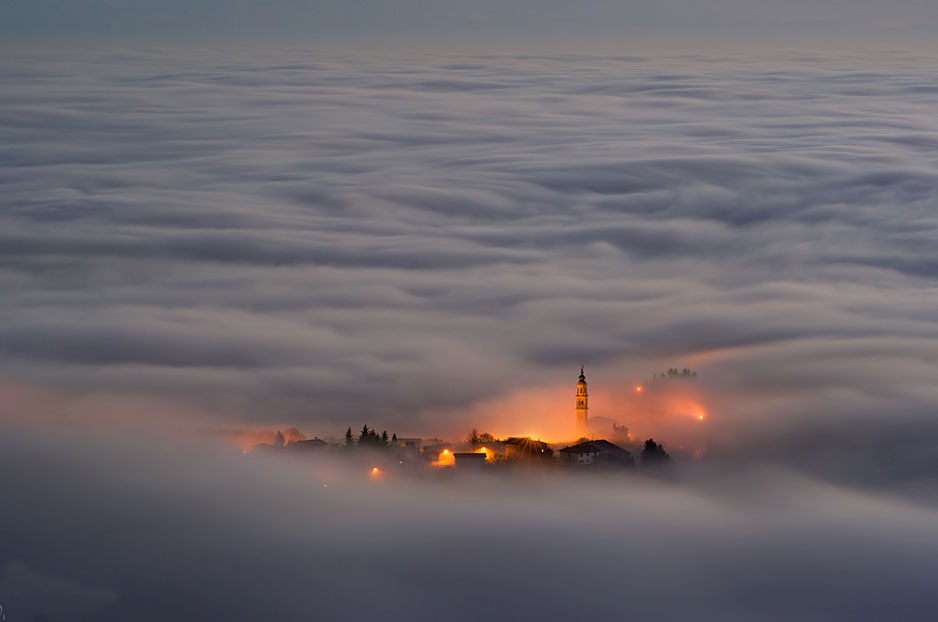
point(582, 375)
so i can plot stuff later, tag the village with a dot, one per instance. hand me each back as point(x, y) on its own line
point(482, 451)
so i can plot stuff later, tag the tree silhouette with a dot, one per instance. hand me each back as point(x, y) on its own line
point(279, 441)
point(674, 374)
point(473, 439)
point(369, 437)
point(292, 435)
point(349, 439)
point(620, 433)
point(654, 454)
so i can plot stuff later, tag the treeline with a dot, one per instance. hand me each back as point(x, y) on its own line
point(369, 438)
point(674, 374)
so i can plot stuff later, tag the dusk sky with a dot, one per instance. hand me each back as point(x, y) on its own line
point(223, 218)
point(849, 20)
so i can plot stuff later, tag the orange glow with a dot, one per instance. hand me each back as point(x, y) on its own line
point(671, 412)
point(445, 459)
point(375, 470)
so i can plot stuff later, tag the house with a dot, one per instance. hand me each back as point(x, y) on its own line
point(307, 445)
point(527, 448)
point(410, 443)
point(600, 452)
point(466, 461)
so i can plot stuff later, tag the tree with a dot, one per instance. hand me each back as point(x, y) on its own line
point(394, 439)
point(279, 441)
point(349, 439)
point(369, 437)
point(292, 435)
point(620, 433)
point(473, 439)
point(654, 454)
point(485, 437)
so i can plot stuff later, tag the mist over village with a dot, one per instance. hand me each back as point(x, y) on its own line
point(478, 451)
point(404, 311)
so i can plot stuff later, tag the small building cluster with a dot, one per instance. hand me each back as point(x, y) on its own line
point(479, 452)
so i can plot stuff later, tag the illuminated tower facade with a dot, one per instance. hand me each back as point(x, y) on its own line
point(582, 405)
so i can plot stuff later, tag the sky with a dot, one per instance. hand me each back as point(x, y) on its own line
point(335, 20)
point(223, 219)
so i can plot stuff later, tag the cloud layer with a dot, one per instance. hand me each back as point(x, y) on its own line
point(241, 239)
point(111, 528)
point(294, 237)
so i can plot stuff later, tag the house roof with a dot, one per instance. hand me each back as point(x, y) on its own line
point(596, 446)
point(307, 443)
point(522, 440)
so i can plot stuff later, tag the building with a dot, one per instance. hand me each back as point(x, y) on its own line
point(493, 449)
point(410, 443)
point(467, 461)
point(582, 406)
point(600, 452)
point(527, 448)
point(307, 445)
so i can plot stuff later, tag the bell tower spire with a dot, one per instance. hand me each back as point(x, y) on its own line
point(582, 405)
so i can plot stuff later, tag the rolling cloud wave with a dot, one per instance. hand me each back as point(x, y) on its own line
point(440, 231)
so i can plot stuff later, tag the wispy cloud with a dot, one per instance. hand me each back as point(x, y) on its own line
point(253, 239)
point(326, 239)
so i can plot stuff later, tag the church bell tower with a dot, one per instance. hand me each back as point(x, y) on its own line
point(582, 405)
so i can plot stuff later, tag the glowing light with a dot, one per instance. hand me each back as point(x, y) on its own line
point(446, 458)
point(639, 388)
point(325, 485)
point(700, 417)
point(374, 470)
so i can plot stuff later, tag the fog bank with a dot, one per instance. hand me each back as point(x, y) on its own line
point(105, 527)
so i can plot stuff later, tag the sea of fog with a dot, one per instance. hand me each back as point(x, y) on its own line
point(100, 526)
point(219, 240)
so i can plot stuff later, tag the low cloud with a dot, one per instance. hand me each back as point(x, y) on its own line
point(110, 526)
point(318, 240)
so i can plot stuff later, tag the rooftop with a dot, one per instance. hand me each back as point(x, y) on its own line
point(596, 446)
